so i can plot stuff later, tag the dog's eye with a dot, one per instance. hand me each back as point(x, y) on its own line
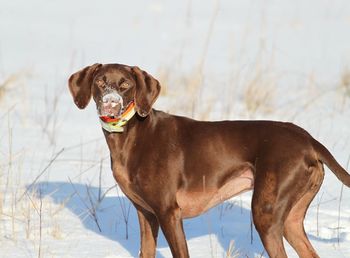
point(124, 86)
point(100, 83)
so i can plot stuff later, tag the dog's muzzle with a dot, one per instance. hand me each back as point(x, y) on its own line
point(111, 105)
point(113, 125)
point(112, 112)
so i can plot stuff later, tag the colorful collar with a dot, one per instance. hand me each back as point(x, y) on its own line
point(115, 125)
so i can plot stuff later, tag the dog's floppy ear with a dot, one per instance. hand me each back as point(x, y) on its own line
point(80, 85)
point(147, 91)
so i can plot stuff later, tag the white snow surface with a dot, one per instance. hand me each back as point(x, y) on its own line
point(51, 154)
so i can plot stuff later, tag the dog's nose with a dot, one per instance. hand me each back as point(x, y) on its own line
point(111, 98)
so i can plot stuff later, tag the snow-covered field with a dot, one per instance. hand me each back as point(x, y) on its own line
point(222, 59)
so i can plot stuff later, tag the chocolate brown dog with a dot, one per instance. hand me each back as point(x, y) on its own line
point(173, 167)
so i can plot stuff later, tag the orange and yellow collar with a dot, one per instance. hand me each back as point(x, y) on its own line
point(115, 125)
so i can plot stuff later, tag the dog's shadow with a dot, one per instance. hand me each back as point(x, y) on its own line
point(225, 223)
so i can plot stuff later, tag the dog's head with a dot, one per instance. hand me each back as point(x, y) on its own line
point(113, 87)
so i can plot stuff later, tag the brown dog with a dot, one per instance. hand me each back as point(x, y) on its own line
point(173, 167)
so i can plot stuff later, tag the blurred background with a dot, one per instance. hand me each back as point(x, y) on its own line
point(220, 59)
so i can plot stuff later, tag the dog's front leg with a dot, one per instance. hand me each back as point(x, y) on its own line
point(149, 227)
point(170, 221)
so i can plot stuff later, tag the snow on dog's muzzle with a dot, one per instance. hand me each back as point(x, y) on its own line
point(114, 124)
point(111, 105)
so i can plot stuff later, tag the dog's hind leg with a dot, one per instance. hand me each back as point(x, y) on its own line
point(269, 224)
point(271, 203)
point(294, 230)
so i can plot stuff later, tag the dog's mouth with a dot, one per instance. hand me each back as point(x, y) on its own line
point(112, 110)
point(125, 114)
point(111, 106)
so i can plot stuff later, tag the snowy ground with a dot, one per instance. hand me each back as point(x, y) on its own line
point(244, 59)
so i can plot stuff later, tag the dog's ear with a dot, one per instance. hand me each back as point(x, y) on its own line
point(147, 91)
point(80, 85)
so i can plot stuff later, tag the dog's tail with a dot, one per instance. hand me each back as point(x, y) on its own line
point(327, 158)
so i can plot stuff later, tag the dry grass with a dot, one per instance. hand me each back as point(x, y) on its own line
point(258, 90)
point(254, 86)
point(345, 86)
point(56, 231)
point(232, 251)
point(191, 83)
point(23, 214)
point(174, 87)
point(8, 85)
point(30, 218)
point(345, 82)
point(259, 93)
point(49, 120)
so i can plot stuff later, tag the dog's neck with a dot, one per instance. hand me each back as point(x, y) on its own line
point(119, 143)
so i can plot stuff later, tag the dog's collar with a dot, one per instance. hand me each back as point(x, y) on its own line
point(115, 125)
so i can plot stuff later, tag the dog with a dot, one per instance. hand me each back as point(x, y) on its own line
point(173, 167)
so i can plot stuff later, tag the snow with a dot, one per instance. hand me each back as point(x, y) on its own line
point(213, 59)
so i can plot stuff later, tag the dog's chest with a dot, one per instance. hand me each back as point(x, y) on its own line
point(128, 187)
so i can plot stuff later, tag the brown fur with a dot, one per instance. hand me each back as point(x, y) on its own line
point(173, 167)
